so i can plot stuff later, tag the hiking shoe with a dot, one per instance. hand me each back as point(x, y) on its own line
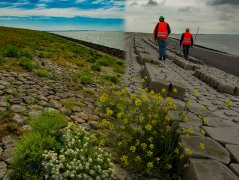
point(160, 58)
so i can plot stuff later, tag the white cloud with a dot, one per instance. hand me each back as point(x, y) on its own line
point(181, 14)
point(64, 12)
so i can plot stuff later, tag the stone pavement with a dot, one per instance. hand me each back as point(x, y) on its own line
point(219, 159)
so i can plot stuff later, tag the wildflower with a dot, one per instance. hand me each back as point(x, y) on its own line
point(185, 118)
point(138, 102)
point(150, 153)
point(169, 101)
point(167, 118)
point(148, 127)
point(144, 98)
point(151, 146)
point(154, 122)
point(190, 130)
point(202, 146)
point(186, 165)
point(205, 122)
point(124, 159)
point(150, 165)
point(202, 131)
point(203, 108)
point(176, 150)
point(187, 136)
point(163, 90)
point(175, 90)
point(120, 114)
point(138, 159)
point(143, 146)
point(196, 91)
point(103, 98)
point(228, 102)
point(143, 81)
point(109, 112)
point(137, 142)
point(188, 151)
point(133, 79)
point(133, 96)
point(189, 102)
point(132, 148)
point(150, 139)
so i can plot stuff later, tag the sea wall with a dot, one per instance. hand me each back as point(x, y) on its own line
point(112, 51)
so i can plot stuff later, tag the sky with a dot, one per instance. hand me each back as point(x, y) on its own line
point(211, 16)
point(55, 15)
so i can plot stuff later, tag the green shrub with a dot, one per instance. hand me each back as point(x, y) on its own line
point(91, 60)
point(26, 63)
point(103, 62)
point(11, 51)
point(85, 78)
point(48, 121)
point(114, 79)
point(42, 73)
point(26, 163)
point(25, 53)
point(79, 158)
point(96, 67)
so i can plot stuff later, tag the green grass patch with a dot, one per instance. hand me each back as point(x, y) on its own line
point(112, 78)
point(42, 73)
point(26, 63)
point(96, 67)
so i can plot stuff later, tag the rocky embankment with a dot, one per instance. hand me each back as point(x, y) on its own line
point(23, 95)
point(220, 158)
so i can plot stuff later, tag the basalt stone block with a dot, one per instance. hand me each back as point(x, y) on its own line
point(204, 169)
point(143, 57)
point(213, 150)
point(237, 91)
point(234, 150)
point(188, 66)
point(180, 90)
point(224, 135)
point(226, 88)
point(196, 67)
point(157, 85)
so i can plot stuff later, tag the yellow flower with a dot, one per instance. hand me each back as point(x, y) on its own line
point(143, 81)
point(138, 159)
point(167, 118)
point(190, 130)
point(203, 108)
point(120, 115)
point(205, 122)
point(151, 146)
point(144, 98)
point(148, 127)
point(138, 102)
point(163, 90)
point(143, 146)
point(133, 96)
point(137, 142)
point(133, 79)
point(150, 153)
point(189, 102)
point(185, 118)
point(132, 148)
point(186, 165)
point(109, 112)
point(181, 156)
point(104, 98)
point(180, 144)
point(124, 159)
point(196, 91)
point(202, 146)
point(176, 150)
point(228, 102)
point(150, 165)
point(154, 122)
point(175, 90)
point(188, 151)
point(169, 101)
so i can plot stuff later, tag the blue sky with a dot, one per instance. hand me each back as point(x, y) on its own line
point(106, 15)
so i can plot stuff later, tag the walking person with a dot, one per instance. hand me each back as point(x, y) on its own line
point(161, 33)
point(187, 41)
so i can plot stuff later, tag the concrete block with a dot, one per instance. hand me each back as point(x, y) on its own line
point(213, 150)
point(205, 169)
point(226, 88)
point(181, 90)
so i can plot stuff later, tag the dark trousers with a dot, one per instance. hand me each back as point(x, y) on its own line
point(186, 51)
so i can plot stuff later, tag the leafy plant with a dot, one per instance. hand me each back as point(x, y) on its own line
point(96, 67)
point(114, 79)
point(26, 63)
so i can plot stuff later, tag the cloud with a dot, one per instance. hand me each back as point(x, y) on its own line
point(223, 2)
point(152, 3)
point(186, 9)
point(64, 12)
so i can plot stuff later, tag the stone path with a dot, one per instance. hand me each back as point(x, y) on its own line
point(24, 95)
point(219, 159)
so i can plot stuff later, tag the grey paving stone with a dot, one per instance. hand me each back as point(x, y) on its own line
point(205, 169)
point(213, 150)
point(235, 168)
point(234, 150)
point(229, 135)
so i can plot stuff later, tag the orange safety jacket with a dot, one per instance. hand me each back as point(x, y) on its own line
point(187, 38)
point(162, 30)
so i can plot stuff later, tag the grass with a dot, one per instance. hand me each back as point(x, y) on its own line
point(42, 73)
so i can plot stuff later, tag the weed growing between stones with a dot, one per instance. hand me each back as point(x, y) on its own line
point(141, 132)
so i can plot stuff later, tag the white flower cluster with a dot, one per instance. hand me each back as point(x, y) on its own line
point(78, 159)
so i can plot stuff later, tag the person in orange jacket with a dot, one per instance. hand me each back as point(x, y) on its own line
point(187, 41)
point(161, 33)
